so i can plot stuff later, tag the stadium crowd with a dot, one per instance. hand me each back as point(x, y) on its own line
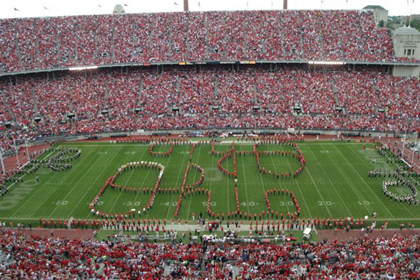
point(23, 256)
point(59, 42)
point(110, 101)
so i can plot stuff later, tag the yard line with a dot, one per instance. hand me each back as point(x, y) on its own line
point(365, 183)
point(41, 188)
point(227, 181)
point(262, 182)
point(52, 193)
point(403, 204)
point(211, 183)
point(24, 174)
point(172, 197)
point(80, 179)
point(296, 180)
point(275, 170)
point(93, 184)
point(189, 206)
point(116, 200)
point(316, 187)
point(144, 179)
point(332, 184)
point(246, 189)
point(351, 186)
point(169, 208)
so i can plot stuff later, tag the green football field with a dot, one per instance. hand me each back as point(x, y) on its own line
point(334, 183)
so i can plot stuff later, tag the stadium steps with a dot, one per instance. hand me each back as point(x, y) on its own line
point(321, 36)
point(58, 43)
point(101, 269)
point(38, 53)
point(295, 98)
point(340, 38)
point(76, 52)
point(282, 40)
point(255, 99)
point(71, 106)
point(362, 43)
point(187, 43)
point(7, 103)
point(113, 42)
point(18, 52)
point(203, 263)
point(169, 54)
point(140, 91)
point(35, 102)
point(96, 47)
point(216, 87)
point(177, 86)
point(106, 98)
point(206, 24)
point(264, 39)
point(255, 94)
point(301, 37)
point(226, 38)
point(151, 36)
point(245, 27)
point(337, 100)
point(376, 89)
point(133, 38)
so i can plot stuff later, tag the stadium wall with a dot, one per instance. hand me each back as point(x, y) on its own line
point(402, 71)
point(203, 131)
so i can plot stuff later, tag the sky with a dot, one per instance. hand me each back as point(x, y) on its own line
point(42, 8)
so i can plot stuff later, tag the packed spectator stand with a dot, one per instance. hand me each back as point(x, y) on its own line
point(23, 256)
point(33, 44)
point(213, 97)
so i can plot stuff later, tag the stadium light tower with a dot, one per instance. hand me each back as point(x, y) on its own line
point(185, 5)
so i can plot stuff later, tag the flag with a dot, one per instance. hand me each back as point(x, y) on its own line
point(46, 8)
point(176, 3)
point(16, 9)
point(125, 5)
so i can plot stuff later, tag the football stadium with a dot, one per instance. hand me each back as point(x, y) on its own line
point(272, 143)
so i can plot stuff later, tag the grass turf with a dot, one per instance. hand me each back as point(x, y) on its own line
point(334, 184)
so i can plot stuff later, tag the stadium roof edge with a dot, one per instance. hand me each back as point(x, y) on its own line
point(148, 64)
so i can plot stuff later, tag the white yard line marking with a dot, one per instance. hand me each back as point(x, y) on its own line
point(11, 185)
point(198, 159)
point(332, 184)
point(93, 184)
point(59, 187)
point(246, 189)
point(316, 187)
point(39, 189)
point(129, 177)
point(364, 181)
point(296, 181)
point(364, 162)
